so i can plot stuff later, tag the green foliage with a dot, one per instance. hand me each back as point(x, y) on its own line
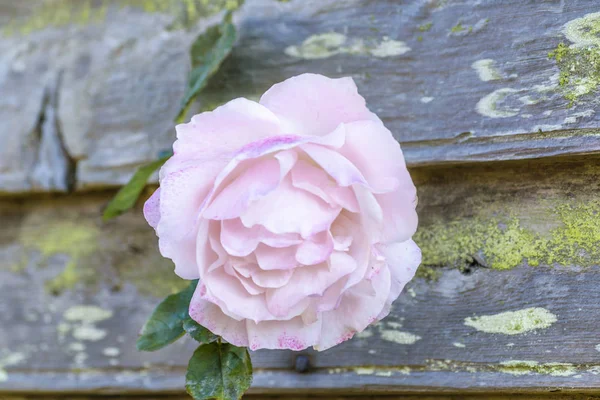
point(207, 53)
point(128, 195)
point(166, 322)
point(219, 371)
point(198, 332)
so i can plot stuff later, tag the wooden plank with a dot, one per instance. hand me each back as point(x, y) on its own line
point(516, 242)
point(457, 396)
point(455, 81)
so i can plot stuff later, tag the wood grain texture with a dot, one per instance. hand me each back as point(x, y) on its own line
point(455, 81)
point(426, 345)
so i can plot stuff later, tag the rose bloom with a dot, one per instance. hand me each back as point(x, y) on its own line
point(295, 213)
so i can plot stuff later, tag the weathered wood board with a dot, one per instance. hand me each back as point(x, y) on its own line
point(507, 297)
point(84, 103)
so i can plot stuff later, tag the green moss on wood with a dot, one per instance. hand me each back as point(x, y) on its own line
point(457, 28)
point(425, 27)
point(90, 249)
point(579, 62)
point(504, 243)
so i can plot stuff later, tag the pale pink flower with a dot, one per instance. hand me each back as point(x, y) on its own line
point(296, 213)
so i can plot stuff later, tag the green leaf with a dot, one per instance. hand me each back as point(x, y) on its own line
point(128, 195)
point(198, 332)
point(219, 371)
point(207, 53)
point(166, 322)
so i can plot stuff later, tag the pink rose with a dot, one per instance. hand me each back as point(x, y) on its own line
point(296, 213)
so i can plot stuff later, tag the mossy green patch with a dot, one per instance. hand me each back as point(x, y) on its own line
point(66, 237)
point(458, 243)
point(425, 27)
point(457, 28)
point(513, 322)
point(74, 239)
point(504, 243)
point(576, 240)
point(428, 273)
point(126, 252)
point(83, 12)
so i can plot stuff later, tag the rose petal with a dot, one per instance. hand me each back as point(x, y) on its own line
point(315, 249)
point(358, 308)
point(292, 334)
point(226, 129)
point(371, 214)
point(239, 240)
point(313, 104)
point(402, 259)
point(212, 318)
point(316, 181)
point(336, 165)
point(272, 279)
point(309, 281)
point(251, 287)
point(252, 184)
point(152, 209)
point(270, 258)
point(365, 138)
point(231, 295)
point(399, 213)
point(290, 210)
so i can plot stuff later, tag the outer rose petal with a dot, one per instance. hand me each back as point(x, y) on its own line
point(358, 308)
point(292, 334)
point(226, 129)
point(152, 209)
point(212, 318)
point(181, 193)
point(313, 104)
point(402, 259)
point(365, 138)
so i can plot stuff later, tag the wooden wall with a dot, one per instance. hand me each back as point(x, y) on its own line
point(494, 102)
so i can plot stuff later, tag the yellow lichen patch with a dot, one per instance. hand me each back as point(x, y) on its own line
point(456, 242)
point(325, 45)
point(513, 322)
point(76, 239)
point(60, 237)
point(87, 314)
point(504, 243)
point(526, 367)
point(493, 104)
point(7, 361)
point(579, 62)
point(576, 241)
point(399, 337)
point(486, 70)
